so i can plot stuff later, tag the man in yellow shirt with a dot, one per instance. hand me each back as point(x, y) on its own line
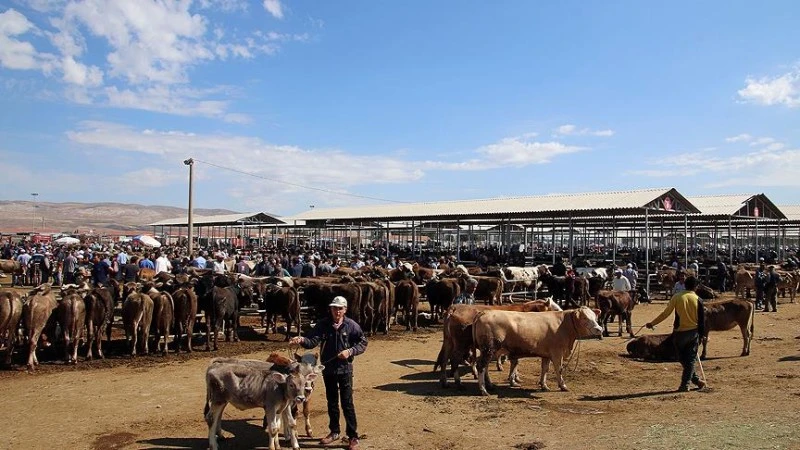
point(688, 328)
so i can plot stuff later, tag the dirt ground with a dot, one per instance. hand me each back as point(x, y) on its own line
point(614, 402)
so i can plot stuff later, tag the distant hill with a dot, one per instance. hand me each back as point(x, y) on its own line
point(115, 218)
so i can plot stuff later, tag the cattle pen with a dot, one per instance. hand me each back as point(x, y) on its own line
point(649, 227)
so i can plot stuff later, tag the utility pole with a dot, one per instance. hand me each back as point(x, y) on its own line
point(190, 162)
point(35, 195)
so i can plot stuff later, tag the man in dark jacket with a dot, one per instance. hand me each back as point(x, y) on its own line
point(771, 290)
point(341, 339)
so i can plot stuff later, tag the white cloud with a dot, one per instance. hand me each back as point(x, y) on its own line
point(152, 177)
point(744, 137)
point(77, 73)
point(572, 130)
point(274, 7)
point(762, 141)
point(781, 90)
point(321, 168)
point(18, 54)
point(771, 165)
point(509, 152)
point(148, 50)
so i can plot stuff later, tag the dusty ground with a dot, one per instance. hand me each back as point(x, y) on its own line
point(615, 402)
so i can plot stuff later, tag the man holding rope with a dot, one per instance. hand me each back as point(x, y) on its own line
point(688, 327)
point(341, 339)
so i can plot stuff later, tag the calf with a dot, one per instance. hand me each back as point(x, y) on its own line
point(99, 317)
point(653, 347)
point(549, 335)
point(71, 312)
point(457, 343)
point(137, 314)
point(407, 296)
point(185, 301)
point(163, 316)
point(10, 314)
point(250, 384)
point(36, 313)
point(615, 303)
point(724, 315)
point(224, 311)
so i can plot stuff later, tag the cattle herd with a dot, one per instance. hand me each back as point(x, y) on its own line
point(163, 310)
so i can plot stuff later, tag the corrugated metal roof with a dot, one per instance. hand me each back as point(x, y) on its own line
point(723, 205)
point(792, 212)
point(618, 202)
point(742, 205)
point(221, 219)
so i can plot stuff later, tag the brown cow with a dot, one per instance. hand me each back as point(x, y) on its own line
point(99, 316)
point(666, 278)
point(71, 312)
point(319, 296)
point(146, 274)
point(489, 289)
point(10, 314)
point(36, 313)
point(407, 296)
point(185, 314)
point(549, 335)
point(580, 291)
point(745, 282)
point(652, 347)
point(457, 333)
point(278, 300)
point(615, 303)
point(726, 314)
point(163, 316)
point(440, 294)
point(137, 314)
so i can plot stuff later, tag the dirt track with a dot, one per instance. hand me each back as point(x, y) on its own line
point(614, 402)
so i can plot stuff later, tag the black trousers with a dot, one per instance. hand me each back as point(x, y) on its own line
point(771, 299)
point(686, 343)
point(340, 385)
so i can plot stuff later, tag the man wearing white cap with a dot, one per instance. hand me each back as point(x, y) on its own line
point(340, 339)
point(620, 283)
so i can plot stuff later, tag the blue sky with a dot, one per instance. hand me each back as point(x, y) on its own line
point(407, 101)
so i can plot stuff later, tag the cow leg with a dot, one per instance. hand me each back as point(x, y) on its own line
point(746, 337)
point(483, 372)
point(67, 347)
point(290, 427)
point(273, 428)
point(628, 325)
point(235, 327)
point(543, 376)
point(620, 317)
point(501, 359)
point(214, 328)
point(705, 343)
point(604, 316)
point(91, 332)
point(214, 421)
point(513, 380)
point(559, 366)
point(307, 417)
point(134, 338)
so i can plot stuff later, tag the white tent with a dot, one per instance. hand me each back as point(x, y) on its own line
point(147, 241)
point(67, 240)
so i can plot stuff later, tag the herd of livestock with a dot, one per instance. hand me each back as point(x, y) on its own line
point(164, 305)
point(181, 306)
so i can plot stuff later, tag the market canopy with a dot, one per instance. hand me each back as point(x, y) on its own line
point(221, 220)
point(604, 204)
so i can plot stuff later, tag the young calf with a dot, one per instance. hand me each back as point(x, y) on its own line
point(250, 384)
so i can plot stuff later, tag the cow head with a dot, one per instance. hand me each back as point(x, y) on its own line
point(309, 364)
point(586, 323)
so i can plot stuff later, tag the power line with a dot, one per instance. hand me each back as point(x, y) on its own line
point(327, 191)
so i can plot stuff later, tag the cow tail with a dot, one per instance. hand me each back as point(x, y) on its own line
point(73, 322)
point(752, 320)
